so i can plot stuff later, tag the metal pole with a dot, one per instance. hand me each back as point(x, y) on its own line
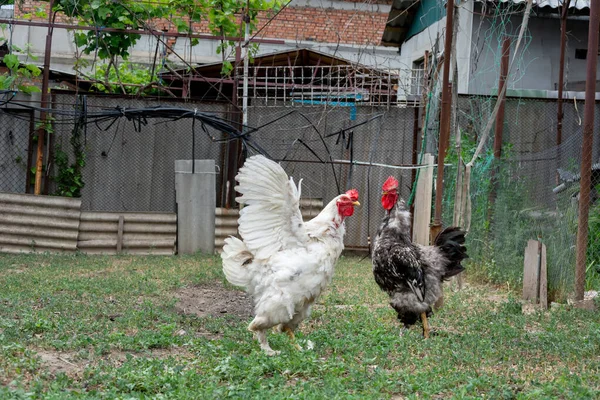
point(502, 93)
point(561, 71)
point(561, 80)
point(499, 128)
point(586, 149)
point(44, 104)
point(234, 146)
point(414, 159)
point(444, 122)
point(246, 59)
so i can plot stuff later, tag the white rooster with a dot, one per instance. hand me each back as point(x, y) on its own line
point(283, 262)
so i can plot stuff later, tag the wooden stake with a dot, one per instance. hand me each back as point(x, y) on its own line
point(425, 325)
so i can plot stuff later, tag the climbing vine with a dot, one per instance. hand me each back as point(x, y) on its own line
point(69, 176)
point(222, 17)
point(20, 74)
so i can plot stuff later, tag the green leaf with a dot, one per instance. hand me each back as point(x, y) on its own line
point(103, 12)
point(29, 89)
point(35, 71)
point(80, 39)
point(11, 61)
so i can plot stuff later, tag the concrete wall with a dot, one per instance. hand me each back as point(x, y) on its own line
point(63, 50)
point(537, 65)
point(196, 202)
point(414, 48)
point(479, 44)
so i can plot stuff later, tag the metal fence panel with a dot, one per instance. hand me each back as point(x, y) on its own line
point(16, 127)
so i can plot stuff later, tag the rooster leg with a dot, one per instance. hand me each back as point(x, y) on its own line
point(404, 329)
point(292, 337)
point(264, 344)
point(425, 325)
point(259, 326)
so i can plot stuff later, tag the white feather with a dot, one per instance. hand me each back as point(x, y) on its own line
point(282, 261)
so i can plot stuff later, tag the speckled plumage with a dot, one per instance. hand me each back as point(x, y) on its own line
point(412, 274)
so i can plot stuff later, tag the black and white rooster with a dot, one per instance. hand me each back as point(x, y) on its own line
point(412, 274)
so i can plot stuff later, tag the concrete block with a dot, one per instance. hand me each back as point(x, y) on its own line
point(196, 202)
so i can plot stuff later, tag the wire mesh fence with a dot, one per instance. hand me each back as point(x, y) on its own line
point(16, 130)
point(128, 166)
point(531, 192)
point(329, 148)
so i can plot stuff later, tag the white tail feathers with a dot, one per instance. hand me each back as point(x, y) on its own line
point(235, 255)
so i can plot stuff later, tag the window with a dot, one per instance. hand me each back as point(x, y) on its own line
point(418, 72)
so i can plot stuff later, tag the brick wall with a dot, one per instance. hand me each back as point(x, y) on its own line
point(293, 23)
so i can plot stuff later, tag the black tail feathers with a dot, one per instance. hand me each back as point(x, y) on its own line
point(451, 241)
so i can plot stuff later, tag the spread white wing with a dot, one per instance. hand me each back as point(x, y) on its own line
point(270, 220)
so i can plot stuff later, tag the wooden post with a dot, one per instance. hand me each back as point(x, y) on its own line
point(444, 121)
point(535, 275)
point(586, 150)
point(422, 202)
point(39, 163)
point(120, 234)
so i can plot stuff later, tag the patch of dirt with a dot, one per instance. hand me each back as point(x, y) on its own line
point(496, 297)
point(214, 301)
point(72, 365)
point(58, 362)
point(17, 269)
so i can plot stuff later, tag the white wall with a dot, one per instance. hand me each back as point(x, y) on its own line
point(63, 49)
point(414, 48)
point(537, 66)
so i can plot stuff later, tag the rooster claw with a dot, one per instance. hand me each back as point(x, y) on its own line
point(271, 352)
point(432, 332)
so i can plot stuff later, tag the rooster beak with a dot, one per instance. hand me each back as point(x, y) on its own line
point(355, 203)
point(385, 192)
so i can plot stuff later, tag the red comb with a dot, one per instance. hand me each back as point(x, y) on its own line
point(390, 184)
point(353, 194)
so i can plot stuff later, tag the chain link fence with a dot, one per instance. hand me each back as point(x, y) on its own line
point(16, 138)
point(534, 193)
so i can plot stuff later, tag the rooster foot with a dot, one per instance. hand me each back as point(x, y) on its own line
point(270, 352)
point(292, 337)
point(309, 346)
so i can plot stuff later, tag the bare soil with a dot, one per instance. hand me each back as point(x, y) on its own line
point(213, 301)
point(70, 364)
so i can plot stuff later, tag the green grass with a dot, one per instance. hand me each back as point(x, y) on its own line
point(107, 328)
